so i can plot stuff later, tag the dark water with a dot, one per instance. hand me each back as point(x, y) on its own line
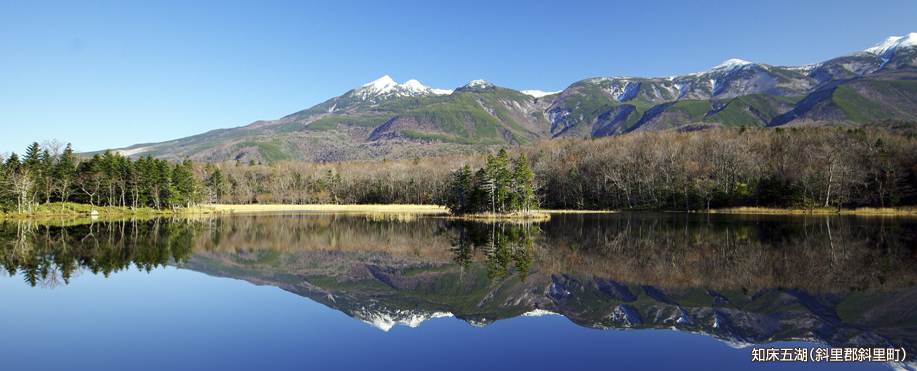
point(400, 292)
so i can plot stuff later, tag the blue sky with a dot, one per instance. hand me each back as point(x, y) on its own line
point(112, 74)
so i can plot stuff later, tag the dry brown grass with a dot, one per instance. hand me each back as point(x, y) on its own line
point(768, 210)
point(818, 210)
point(398, 209)
point(910, 210)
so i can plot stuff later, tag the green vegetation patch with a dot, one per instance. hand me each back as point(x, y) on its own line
point(863, 110)
point(332, 122)
point(693, 108)
point(451, 118)
point(411, 134)
point(857, 107)
point(433, 269)
point(271, 151)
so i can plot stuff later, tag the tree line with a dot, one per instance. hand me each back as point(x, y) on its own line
point(49, 174)
point(789, 168)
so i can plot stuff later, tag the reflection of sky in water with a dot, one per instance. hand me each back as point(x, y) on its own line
point(178, 319)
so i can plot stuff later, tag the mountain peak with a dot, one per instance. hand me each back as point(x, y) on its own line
point(414, 85)
point(386, 87)
point(476, 85)
point(893, 43)
point(384, 82)
point(732, 63)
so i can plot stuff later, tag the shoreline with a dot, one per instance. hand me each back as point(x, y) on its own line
point(78, 210)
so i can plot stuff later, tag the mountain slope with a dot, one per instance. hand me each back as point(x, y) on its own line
point(872, 85)
point(379, 119)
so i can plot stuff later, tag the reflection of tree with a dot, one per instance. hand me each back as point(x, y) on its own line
point(498, 245)
point(821, 253)
point(49, 256)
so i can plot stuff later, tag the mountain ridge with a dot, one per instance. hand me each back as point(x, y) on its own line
point(384, 119)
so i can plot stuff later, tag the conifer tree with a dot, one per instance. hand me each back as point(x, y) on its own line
point(522, 188)
point(215, 183)
point(64, 172)
point(460, 191)
point(32, 157)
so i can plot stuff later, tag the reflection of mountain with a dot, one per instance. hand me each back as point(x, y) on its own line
point(388, 288)
point(741, 279)
point(384, 297)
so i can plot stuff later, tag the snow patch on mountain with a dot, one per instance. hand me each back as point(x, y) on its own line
point(539, 312)
point(727, 67)
point(128, 152)
point(538, 93)
point(732, 64)
point(442, 91)
point(805, 69)
point(385, 320)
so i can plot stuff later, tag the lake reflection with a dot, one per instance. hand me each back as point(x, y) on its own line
point(743, 280)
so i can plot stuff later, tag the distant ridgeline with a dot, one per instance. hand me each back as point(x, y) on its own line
point(384, 119)
point(818, 167)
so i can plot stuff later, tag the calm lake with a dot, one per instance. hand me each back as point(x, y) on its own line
point(405, 292)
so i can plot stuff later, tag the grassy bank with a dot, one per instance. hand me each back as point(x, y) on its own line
point(818, 211)
point(258, 208)
point(70, 209)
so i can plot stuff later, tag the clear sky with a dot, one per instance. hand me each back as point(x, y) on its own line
point(113, 74)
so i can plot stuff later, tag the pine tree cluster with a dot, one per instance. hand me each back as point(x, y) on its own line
point(107, 179)
point(493, 188)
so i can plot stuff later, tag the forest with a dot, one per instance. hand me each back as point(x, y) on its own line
point(795, 168)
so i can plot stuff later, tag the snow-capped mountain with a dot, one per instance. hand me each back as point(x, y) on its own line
point(386, 88)
point(475, 85)
point(892, 44)
point(385, 318)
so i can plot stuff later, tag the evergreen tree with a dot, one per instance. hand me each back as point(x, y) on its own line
point(184, 190)
point(161, 182)
point(215, 183)
point(64, 173)
point(496, 181)
point(12, 163)
point(47, 181)
point(460, 191)
point(89, 179)
point(522, 184)
point(32, 157)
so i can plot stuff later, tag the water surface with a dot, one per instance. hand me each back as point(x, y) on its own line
point(403, 292)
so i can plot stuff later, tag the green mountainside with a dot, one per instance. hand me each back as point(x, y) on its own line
point(384, 119)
